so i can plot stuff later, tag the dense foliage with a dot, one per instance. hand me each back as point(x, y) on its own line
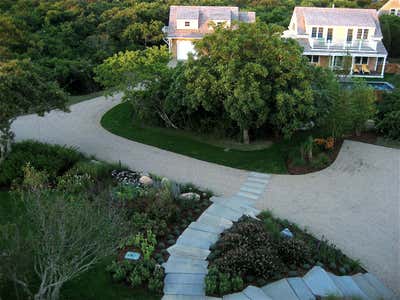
point(391, 34)
point(388, 115)
point(255, 252)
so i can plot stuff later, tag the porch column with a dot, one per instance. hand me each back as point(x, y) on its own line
point(332, 62)
point(383, 67)
point(352, 65)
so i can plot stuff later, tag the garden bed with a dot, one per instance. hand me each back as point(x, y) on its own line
point(256, 252)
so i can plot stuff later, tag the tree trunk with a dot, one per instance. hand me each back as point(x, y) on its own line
point(246, 138)
point(358, 132)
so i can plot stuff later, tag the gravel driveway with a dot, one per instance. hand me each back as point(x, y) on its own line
point(355, 203)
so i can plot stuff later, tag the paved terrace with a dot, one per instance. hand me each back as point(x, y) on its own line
point(355, 203)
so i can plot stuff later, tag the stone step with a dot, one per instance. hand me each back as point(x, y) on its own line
point(258, 180)
point(184, 289)
point(184, 268)
point(255, 293)
point(183, 297)
point(301, 290)
point(186, 260)
point(252, 190)
point(259, 175)
point(247, 195)
point(190, 233)
point(206, 227)
point(234, 200)
point(214, 221)
point(366, 287)
point(255, 185)
point(236, 205)
point(378, 285)
point(236, 296)
point(224, 212)
point(320, 284)
point(280, 290)
point(185, 278)
point(348, 287)
point(190, 241)
point(187, 251)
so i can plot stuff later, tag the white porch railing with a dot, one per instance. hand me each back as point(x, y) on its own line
point(357, 45)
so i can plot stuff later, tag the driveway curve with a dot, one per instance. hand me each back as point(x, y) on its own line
point(355, 203)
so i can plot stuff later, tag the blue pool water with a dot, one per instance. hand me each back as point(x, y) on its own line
point(376, 85)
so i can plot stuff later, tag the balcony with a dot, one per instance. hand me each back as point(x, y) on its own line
point(358, 45)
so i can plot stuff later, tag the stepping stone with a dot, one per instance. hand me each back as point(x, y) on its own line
point(300, 288)
point(255, 293)
point(280, 290)
point(259, 175)
point(247, 195)
point(347, 286)
point(194, 233)
point(196, 242)
point(206, 227)
point(214, 221)
point(187, 260)
point(234, 199)
point(320, 283)
point(255, 185)
point(245, 209)
point(252, 190)
point(186, 251)
point(185, 278)
point(378, 285)
point(366, 287)
point(236, 296)
point(184, 268)
point(258, 180)
point(224, 212)
point(184, 289)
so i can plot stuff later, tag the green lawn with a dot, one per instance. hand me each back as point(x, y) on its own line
point(272, 159)
point(96, 284)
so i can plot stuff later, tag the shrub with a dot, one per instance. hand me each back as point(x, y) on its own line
point(320, 161)
point(95, 169)
point(293, 251)
point(388, 116)
point(53, 159)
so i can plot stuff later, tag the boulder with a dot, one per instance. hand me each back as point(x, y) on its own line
point(190, 196)
point(146, 180)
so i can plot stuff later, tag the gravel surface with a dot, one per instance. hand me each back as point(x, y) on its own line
point(355, 203)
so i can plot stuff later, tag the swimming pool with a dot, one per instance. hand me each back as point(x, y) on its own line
point(376, 85)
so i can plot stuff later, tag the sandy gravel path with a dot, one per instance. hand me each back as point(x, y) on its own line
point(355, 202)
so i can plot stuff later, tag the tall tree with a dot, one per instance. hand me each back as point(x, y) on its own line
point(23, 90)
point(255, 75)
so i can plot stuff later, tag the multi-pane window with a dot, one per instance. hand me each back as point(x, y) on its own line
point(349, 34)
point(187, 24)
point(358, 60)
point(362, 34)
point(313, 59)
point(329, 35)
point(320, 32)
point(393, 11)
point(314, 32)
point(317, 32)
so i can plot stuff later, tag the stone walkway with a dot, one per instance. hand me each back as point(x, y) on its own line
point(355, 203)
point(186, 268)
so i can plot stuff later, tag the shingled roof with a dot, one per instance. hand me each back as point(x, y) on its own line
point(348, 17)
point(204, 14)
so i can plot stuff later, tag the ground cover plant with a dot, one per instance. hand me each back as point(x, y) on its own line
point(255, 252)
point(150, 213)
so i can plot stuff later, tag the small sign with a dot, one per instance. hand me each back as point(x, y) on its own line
point(132, 255)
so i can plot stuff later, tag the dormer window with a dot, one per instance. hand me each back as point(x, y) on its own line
point(317, 32)
point(187, 24)
point(362, 34)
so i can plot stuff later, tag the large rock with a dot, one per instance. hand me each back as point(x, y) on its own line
point(190, 196)
point(146, 180)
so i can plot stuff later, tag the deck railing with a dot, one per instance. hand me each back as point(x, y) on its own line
point(357, 45)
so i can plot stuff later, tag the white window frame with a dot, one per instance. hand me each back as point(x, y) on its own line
point(187, 23)
point(363, 30)
point(352, 35)
point(327, 34)
point(317, 32)
point(361, 60)
point(312, 59)
point(393, 11)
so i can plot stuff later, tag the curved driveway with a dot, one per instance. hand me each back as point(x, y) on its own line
point(354, 203)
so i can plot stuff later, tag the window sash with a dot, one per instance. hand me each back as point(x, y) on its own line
point(187, 24)
point(365, 35)
point(359, 34)
point(320, 32)
point(329, 35)
point(314, 32)
point(350, 35)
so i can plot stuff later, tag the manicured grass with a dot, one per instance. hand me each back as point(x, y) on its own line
point(272, 159)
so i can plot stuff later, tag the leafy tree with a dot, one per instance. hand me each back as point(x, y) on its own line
point(254, 75)
point(22, 91)
point(144, 78)
point(388, 115)
point(391, 34)
point(362, 105)
point(56, 239)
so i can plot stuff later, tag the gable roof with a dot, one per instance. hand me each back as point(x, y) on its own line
point(347, 17)
point(204, 14)
point(390, 4)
